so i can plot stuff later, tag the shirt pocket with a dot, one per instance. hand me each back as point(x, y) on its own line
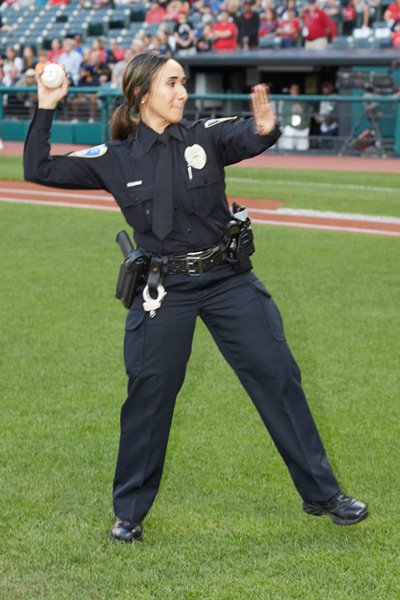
point(205, 190)
point(137, 204)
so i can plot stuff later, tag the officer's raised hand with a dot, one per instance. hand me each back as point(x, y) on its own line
point(263, 114)
point(49, 98)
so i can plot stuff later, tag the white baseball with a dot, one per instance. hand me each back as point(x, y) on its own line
point(53, 75)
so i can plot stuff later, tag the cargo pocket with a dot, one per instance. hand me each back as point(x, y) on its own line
point(270, 309)
point(134, 340)
point(137, 207)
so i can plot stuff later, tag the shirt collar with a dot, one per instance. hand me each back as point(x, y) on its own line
point(148, 137)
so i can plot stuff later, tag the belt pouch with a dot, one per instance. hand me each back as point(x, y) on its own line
point(130, 276)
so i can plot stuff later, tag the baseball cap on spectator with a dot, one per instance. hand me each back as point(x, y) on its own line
point(30, 73)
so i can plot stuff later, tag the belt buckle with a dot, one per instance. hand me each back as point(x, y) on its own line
point(194, 264)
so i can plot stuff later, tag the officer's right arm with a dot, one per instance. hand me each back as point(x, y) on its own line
point(57, 171)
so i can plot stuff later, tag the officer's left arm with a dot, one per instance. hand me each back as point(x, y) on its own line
point(244, 138)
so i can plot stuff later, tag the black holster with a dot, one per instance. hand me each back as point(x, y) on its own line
point(238, 239)
point(132, 270)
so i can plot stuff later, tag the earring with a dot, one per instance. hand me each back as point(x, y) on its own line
point(142, 102)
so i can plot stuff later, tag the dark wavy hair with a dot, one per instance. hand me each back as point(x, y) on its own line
point(136, 82)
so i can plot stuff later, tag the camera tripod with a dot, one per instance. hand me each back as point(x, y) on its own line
point(375, 139)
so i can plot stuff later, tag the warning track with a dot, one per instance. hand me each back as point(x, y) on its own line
point(269, 212)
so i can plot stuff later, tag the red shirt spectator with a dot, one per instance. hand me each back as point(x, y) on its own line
point(224, 33)
point(268, 22)
point(289, 29)
point(392, 13)
point(56, 50)
point(317, 23)
point(155, 13)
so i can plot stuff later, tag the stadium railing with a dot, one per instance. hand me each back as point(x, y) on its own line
point(367, 124)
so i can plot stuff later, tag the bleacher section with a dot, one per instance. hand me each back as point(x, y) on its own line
point(39, 24)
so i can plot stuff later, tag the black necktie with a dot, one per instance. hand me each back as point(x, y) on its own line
point(163, 201)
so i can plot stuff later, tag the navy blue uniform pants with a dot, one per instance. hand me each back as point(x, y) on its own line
point(246, 325)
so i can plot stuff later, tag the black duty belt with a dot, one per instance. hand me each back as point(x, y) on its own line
point(195, 263)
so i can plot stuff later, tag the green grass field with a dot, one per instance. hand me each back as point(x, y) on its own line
point(227, 523)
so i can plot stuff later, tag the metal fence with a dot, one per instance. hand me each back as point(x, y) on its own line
point(361, 123)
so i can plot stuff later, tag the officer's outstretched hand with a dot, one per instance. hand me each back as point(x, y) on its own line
point(49, 98)
point(263, 114)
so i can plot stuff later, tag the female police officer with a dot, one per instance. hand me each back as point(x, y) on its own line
point(182, 227)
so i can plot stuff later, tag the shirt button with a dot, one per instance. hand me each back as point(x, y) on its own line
point(176, 207)
point(189, 230)
point(147, 211)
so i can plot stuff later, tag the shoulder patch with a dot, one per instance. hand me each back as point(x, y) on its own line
point(93, 152)
point(212, 122)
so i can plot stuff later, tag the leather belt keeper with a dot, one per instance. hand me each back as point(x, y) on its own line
point(195, 263)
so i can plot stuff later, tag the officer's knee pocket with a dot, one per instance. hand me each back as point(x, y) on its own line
point(134, 341)
point(271, 310)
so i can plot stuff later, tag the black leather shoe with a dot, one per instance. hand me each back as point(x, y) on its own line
point(126, 531)
point(343, 510)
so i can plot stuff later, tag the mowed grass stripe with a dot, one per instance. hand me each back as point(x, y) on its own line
point(338, 186)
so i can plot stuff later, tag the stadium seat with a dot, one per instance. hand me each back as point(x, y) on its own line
point(342, 42)
point(360, 43)
point(268, 42)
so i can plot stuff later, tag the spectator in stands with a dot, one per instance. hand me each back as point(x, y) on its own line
point(29, 58)
point(163, 34)
point(55, 50)
point(98, 46)
point(56, 2)
point(11, 104)
point(78, 43)
point(392, 13)
point(137, 46)
point(43, 59)
point(295, 121)
point(318, 28)
point(101, 69)
point(155, 13)
point(332, 9)
point(248, 24)
point(224, 33)
point(10, 77)
point(369, 10)
point(114, 53)
point(173, 9)
point(70, 59)
point(27, 100)
point(85, 106)
point(12, 61)
point(268, 24)
point(204, 39)
point(349, 17)
point(396, 33)
point(289, 29)
point(119, 67)
point(327, 117)
point(184, 34)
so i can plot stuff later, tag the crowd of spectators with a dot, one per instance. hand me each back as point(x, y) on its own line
point(203, 25)
point(177, 27)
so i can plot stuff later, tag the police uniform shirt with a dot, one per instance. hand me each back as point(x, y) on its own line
point(201, 149)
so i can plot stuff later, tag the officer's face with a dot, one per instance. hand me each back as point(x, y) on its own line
point(166, 100)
